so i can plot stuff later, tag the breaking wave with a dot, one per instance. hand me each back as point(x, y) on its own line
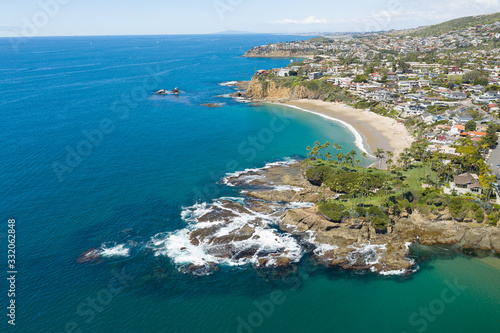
point(249, 175)
point(229, 84)
point(112, 250)
point(222, 233)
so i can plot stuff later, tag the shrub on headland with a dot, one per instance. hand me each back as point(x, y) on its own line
point(333, 211)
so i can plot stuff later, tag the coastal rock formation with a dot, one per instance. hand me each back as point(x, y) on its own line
point(275, 54)
point(213, 105)
point(91, 255)
point(175, 91)
point(276, 222)
point(383, 252)
point(270, 90)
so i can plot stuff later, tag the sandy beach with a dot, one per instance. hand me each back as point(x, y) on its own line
point(378, 131)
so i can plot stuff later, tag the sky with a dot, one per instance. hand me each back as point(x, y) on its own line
point(32, 18)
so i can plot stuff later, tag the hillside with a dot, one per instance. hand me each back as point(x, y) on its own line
point(456, 24)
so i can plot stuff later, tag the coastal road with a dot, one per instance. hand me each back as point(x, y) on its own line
point(494, 160)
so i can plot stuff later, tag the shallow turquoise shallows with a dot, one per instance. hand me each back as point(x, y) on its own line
point(91, 158)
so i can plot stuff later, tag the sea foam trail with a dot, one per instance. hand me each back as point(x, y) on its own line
point(113, 250)
point(359, 141)
point(248, 178)
point(228, 84)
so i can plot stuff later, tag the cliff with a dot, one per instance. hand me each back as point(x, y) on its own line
point(276, 90)
point(354, 243)
point(276, 54)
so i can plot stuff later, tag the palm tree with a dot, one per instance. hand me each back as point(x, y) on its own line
point(386, 186)
point(380, 155)
point(340, 157)
point(389, 164)
point(364, 155)
point(404, 187)
point(390, 154)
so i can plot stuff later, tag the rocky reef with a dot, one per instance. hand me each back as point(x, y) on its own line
point(275, 222)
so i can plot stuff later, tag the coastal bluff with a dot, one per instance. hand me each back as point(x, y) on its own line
point(270, 90)
point(275, 54)
point(389, 250)
point(278, 221)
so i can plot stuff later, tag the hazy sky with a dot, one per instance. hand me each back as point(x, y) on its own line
point(133, 17)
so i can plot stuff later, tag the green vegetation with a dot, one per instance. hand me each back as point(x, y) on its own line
point(470, 126)
point(318, 89)
point(457, 24)
point(381, 195)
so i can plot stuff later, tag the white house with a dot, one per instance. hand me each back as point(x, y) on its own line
point(282, 72)
point(488, 97)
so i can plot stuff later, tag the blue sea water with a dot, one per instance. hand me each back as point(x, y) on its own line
point(91, 158)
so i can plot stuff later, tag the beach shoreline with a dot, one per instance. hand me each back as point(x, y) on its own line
point(377, 131)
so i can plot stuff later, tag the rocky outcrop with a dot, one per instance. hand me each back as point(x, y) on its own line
point(275, 54)
point(266, 228)
point(269, 90)
point(384, 252)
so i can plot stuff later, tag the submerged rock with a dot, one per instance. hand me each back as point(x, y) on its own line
point(91, 255)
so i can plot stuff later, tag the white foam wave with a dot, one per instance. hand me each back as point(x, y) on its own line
point(359, 141)
point(287, 188)
point(294, 205)
point(265, 242)
point(256, 171)
point(229, 84)
point(320, 248)
point(367, 253)
point(114, 250)
point(393, 272)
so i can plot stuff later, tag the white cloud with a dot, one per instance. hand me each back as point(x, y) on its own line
point(307, 20)
point(488, 3)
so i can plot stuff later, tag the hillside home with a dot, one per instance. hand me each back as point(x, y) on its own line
point(466, 183)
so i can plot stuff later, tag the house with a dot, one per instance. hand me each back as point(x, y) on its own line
point(376, 76)
point(341, 81)
point(493, 107)
point(488, 97)
point(392, 76)
point(382, 95)
point(282, 72)
point(409, 84)
point(465, 184)
point(442, 149)
point(462, 119)
point(414, 110)
point(456, 95)
point(456, 130)
point(427, 117)
point(314, 75)
point(414, 97)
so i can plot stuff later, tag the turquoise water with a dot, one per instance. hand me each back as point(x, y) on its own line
point(158, 155)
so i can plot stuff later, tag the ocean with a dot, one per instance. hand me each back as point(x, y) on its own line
point(92, 159)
